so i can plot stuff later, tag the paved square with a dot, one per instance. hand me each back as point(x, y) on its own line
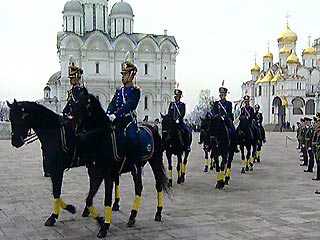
point(275, 201)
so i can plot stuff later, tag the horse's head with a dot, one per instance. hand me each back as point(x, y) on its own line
point(166, 122)
point(88, 112)
point(244, 123)
point(20, 124)
point(205, 124)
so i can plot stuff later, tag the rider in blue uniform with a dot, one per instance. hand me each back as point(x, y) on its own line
point(223, 108)
point(259, 119)
point(248, 112)
point(73, 94)
point(177, 111)
point(122, 109)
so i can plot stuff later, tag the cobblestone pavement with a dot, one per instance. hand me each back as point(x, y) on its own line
point(275, 201)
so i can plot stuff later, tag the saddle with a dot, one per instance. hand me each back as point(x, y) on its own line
point(145, 147)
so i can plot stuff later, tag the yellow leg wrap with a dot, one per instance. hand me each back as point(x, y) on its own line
point(228, 172)
point(117, 191)
point(56, 206)
point(251, 160)
point(220, 176)
point(170, 174)
point(244, 164)
point(137, 203)
point(206, 162)
point(108, 214)
point(179, 173)
point(94, 212)
point(258, 153)
point(184, 168)
point(63, 204)
point(160, 199)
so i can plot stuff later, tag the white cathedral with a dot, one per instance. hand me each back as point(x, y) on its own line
point(98, 42)
point(288, 89)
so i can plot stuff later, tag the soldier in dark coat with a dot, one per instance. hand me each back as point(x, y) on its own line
point(247, 111)
point(223, 108)
point(122, 109)
point(258, 119)
point(177, 111)
point(73, 94)
point(309, 130)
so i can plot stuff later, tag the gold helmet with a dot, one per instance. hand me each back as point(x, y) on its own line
point(177, 92)
point(75, 72)
point(223, 90)
point(128, 66)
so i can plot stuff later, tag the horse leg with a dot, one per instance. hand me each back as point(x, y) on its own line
point(116, 206)
point(169, 158)
point(221, 175)
point(243, 163)
point(258, 152)
point(253, 154)
point(95, 179)
point(228, 169)
point(179, 167)
point(206, 161)
point(137, 178)
point(184, 165)
point(108, 187)
point(212, 162)
point(248, 147)
point(161, 183)
point(56, 179)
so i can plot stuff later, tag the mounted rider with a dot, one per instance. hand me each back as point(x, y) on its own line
point(122, 109)
point(258, 120)
point(223, 108)
point(177, 111)
point(75, 74)
point(246, 110)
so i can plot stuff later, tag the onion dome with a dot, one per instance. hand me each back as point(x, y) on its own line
point(121, 8)
point(284, 50)
point(255, 68)
point(309, 50)
point(268, 55)
point(287, 36)
point(293, 58)
point(47, 88)
point(72, 6)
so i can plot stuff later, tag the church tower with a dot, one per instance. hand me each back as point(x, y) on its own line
point(309, 56)
point(73, 17)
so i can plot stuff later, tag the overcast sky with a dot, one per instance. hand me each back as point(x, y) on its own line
point(217, 40)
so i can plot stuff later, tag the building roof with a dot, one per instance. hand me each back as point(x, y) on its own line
point(121, 8)
point(54, 78)
point(72, 6)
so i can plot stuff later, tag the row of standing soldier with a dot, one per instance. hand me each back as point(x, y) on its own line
point(308, 135)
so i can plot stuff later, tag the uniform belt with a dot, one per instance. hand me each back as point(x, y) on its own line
point(307, 138)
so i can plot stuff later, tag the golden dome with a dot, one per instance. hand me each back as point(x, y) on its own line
point(309, 50)
point(293, 58)
point(284, 50)
point(268, 55)
point(287, 36)
point(265, 79)
point(255, 68)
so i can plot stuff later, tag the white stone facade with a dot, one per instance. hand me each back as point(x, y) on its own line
point(286, 90)
point(98, 43)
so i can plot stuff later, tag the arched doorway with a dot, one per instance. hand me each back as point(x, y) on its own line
point(279, 109)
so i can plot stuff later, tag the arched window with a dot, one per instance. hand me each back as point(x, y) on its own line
point(298, 104)
point(145, 103)
point(97, 68)
point(310, 107)
point(145, 68)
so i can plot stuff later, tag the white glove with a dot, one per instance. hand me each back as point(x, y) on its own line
point(177, 121)
point(111, 117)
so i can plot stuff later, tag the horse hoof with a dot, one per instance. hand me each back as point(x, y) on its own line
point(220, 184)
point(100, 221)
point(170, 183)
point(115, 207)
point(243, 171)
point(258, 160)
point(157, 217)
point(251, 169)
point(51, 220)
point(71, 209)
point(179, 180)
point(183, 177)
point(103, 231)
point(131, 223)
point(205, 169)
point(227, 178)
point(247, 168)
point(212, 167)
point(85, 212)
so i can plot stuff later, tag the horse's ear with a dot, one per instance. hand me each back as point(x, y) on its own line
point(201, 118)
point(15, 101)
point(9, 104)
point(161, 115)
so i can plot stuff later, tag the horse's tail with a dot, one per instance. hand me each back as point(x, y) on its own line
point(156, 162)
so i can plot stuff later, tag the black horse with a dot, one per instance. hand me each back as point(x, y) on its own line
point(222, 146)
point(57, 140)
point(97, 131)
point(175, 144)
point(205, 141)
point(246, 138)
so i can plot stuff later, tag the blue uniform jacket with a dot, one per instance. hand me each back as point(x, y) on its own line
point(225, 111)
point(73, 96)
point(175, 113)
point(124, 102)
point(248, 112)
